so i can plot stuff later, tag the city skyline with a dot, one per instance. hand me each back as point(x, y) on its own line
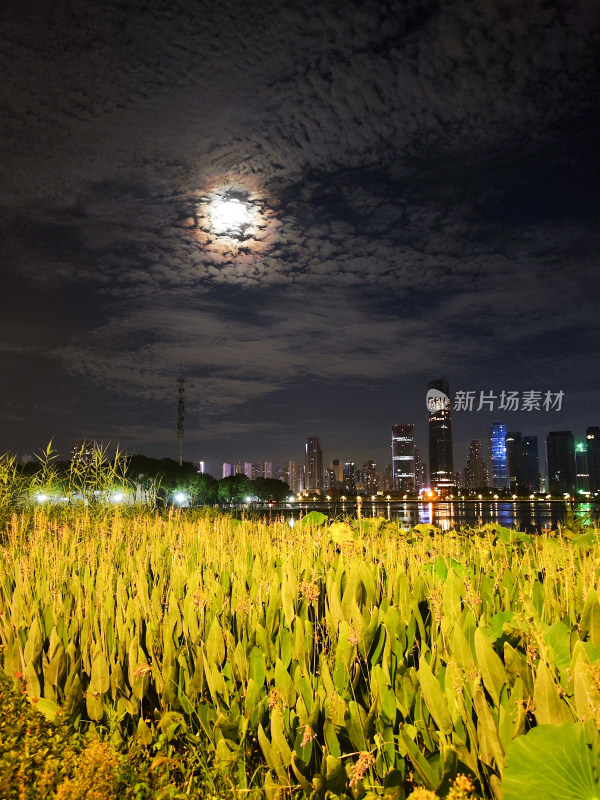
point(501, 459)
point(307, 213)
point(511, 461)
point(348, 452)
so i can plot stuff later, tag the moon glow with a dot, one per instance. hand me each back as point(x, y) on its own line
point(230, 216)
point(236, 227)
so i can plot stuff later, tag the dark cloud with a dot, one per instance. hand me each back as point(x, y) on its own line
point(422, 178)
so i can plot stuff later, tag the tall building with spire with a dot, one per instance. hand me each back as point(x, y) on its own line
point(441, 459)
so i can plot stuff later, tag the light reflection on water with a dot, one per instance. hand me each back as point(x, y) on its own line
point(523, 515)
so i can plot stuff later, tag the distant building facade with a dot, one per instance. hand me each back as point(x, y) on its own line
point(592, 437)
point(522, 462)
point(403, 458)
point(349, 478)
point(476, 471)
point(292, 478)
point(338, 470)
point(533, 462)
point(370, 481)
point(313, 465)
point(389, 478)
point(420, 471)
point(560, 455)
point(329, 482)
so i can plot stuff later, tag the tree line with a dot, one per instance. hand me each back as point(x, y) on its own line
point(168, 478)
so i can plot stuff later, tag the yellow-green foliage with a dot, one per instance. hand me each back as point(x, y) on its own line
point(48, 760)
point(348, 658)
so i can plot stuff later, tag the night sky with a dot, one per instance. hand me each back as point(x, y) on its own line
point(423, 181)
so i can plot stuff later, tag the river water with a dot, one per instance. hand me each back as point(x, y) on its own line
point(520, 514)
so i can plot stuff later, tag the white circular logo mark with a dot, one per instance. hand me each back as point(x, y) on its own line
point(437, 401)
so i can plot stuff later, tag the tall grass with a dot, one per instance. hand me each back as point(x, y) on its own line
point(346, 658)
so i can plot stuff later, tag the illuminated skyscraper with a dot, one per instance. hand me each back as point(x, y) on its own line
point(313, 465)
point(441, 460)
point(498, 456)
point(403, 458)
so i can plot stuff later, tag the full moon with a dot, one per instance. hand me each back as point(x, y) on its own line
point(234, 222)
point(229, 216)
